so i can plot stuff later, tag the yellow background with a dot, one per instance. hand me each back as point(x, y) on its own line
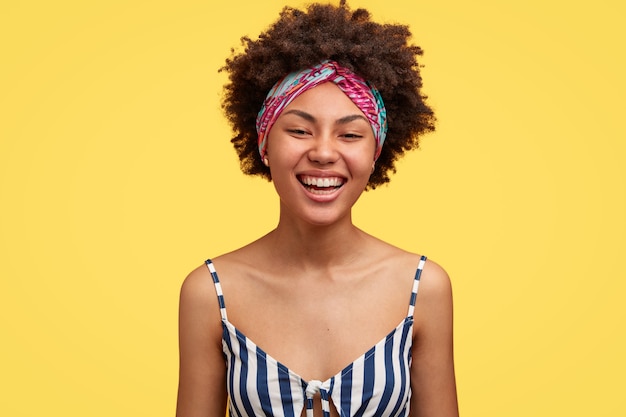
point(117, 178)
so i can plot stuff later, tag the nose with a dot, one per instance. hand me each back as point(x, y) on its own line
point(323, 149)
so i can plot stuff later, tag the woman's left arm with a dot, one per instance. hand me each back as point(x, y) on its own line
point(432, 370)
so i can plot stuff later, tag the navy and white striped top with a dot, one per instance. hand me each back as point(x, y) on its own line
point(376, 384)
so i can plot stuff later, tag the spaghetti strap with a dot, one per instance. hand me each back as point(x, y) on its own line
point(416, 283)
point(218, 289)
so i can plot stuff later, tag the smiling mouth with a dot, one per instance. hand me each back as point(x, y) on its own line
point(321, 185)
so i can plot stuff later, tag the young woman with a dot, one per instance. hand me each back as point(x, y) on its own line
point(319, 318)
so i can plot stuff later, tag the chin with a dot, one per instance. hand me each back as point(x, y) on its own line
point(326, 219)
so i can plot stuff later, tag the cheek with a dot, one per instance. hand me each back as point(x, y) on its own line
point(363, 161)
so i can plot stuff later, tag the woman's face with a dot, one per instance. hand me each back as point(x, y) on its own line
point(321, 153)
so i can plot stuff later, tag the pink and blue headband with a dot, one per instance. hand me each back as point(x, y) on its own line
point(362, 94)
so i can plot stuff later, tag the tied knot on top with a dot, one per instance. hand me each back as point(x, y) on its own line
point(313, 387)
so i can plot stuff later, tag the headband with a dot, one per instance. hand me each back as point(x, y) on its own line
point(362, 94)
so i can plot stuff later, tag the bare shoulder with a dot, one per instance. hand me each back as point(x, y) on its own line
point(435, 280)
point(432, 371)
point(239, 261)
point(198, 288)
point(384, 253)
point(199, 303)
point(433, 305)
point(201, 387)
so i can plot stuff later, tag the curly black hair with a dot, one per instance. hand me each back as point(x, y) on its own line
point(380, 53)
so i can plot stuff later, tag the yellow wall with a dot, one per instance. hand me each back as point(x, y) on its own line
point(117, 178)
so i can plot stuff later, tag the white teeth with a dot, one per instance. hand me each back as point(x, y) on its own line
point(322, 182)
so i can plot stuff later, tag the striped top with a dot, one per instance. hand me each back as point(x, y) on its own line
point(375, 384)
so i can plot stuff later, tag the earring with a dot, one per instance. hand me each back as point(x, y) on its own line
point(266, 161)
point(373, 167)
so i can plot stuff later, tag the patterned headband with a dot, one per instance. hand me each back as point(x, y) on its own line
point(364, 95)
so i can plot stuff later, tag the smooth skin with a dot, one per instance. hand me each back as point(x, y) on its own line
point(317, 292)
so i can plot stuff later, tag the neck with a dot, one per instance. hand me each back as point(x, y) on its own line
point(313, 246)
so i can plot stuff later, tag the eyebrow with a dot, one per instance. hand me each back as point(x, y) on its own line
point(343, 120)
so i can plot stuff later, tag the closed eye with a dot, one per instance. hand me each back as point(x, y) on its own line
point(297, 132)
point(351, 136)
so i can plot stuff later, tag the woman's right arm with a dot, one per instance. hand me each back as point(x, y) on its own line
point(202, 377)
